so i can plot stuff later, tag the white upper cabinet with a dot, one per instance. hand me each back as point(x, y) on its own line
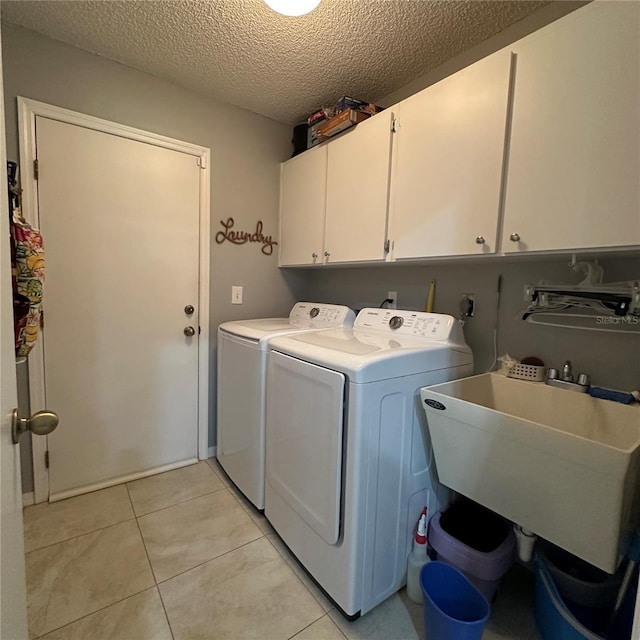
point(358, 192)
point(574, 170)
point(449, 151)
point(303, 183)
point(334, 198)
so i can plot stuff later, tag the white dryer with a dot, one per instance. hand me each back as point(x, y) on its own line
point(346, 470)
point(242, 356)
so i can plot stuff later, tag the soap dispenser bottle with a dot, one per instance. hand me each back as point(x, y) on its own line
point(417, 559)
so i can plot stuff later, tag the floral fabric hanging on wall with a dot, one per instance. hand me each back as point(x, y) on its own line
point(29, 275)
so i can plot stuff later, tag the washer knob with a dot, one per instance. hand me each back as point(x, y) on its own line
point(314, 312)
point(396, 322)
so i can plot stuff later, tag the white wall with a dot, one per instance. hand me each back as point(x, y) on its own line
point(246, 151)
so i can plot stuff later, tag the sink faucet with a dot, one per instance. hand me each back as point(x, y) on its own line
point(565, 381)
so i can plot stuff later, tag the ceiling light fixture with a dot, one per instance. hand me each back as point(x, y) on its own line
point(293, 8)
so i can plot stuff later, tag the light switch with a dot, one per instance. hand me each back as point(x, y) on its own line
point(236, 295)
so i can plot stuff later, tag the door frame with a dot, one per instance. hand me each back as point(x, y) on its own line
point(28, 109)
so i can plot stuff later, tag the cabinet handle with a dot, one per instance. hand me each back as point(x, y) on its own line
point(480, 240)
point(514, 237)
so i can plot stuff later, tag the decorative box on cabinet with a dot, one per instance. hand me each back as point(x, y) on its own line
point(573, 180)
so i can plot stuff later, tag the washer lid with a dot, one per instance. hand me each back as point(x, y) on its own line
point(304, 316)
point(257, 329)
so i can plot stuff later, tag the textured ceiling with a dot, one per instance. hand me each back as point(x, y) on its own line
point(241, 52)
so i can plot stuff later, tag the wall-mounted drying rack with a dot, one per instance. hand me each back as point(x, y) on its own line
point(590, 304)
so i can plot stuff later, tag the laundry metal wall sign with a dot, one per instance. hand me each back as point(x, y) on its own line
point(242, 237)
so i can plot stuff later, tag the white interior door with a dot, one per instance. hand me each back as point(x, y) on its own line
point(305, 406)
point(13, 599)
point(120, 220)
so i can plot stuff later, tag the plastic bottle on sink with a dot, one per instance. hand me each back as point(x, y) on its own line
point(417, 559)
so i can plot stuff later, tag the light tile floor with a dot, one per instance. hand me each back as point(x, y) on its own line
point(184, 555)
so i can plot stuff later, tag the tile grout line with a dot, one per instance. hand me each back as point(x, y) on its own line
point(166, 615)
point(200, 564)
point(139, 515)
point(87, 615)
point(304, 584)
point(324, 615)
point(144, 545)
point(80, 535)
point(208, 493)
point(153, 573)
point(133, 509)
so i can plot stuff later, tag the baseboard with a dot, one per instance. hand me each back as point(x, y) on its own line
point(211, 452)
point(28, 499)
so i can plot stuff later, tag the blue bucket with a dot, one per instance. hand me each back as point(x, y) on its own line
point(453, 608)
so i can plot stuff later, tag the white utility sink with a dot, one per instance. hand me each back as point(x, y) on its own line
point(561, 464)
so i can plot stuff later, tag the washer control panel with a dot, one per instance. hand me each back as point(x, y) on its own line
point(436, 326)
point(316, 314)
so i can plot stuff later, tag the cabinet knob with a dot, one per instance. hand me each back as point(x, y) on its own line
point(314, 255)
point(326, 255)
point(480, 240)
point(514, 237)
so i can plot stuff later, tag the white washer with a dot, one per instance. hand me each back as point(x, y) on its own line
point(346, 470)
point(242, 356)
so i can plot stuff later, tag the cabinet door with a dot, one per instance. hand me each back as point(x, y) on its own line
point(574, 171)
point(446, 182)
point(303, 184)
point(358, 191)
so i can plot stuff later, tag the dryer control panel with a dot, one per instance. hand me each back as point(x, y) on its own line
point(319, 314)
point(435, 326)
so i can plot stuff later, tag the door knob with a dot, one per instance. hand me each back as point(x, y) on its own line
point(189, 331)
point(40, 424)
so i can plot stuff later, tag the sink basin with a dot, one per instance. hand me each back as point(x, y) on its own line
point(563, 465)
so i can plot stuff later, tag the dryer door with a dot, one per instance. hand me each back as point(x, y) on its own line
point(304, 440)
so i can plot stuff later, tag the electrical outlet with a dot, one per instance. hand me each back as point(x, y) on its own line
point(468, 305)
point(393, 296)
point(236, 295)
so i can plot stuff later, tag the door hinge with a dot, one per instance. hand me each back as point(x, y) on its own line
point(36, 170)
point(393, 125)
point(46, 459)
point(202, 162)
point(387, 246)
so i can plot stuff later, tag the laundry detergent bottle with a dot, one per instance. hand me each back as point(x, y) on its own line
point(417, 559)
